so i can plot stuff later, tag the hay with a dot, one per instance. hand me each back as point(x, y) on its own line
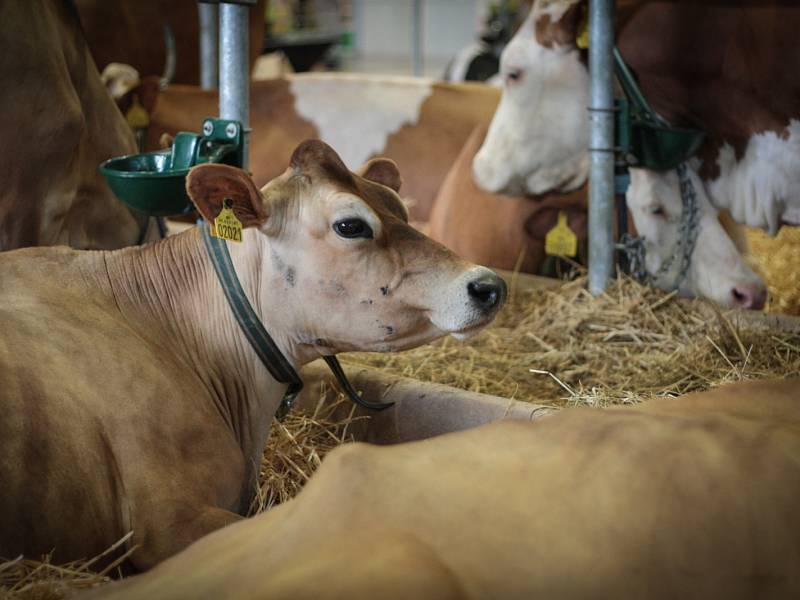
point(24, 579)
point(296, 447)
point(562, 346)
point(778, 260)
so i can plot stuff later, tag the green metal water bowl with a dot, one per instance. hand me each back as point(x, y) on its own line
point(642, 136)
point(148, 183)
point(154, 182)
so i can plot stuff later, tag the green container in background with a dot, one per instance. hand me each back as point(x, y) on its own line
point(154, 183)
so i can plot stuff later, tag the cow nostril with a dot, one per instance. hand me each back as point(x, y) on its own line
point(487, 292)
point(749, 297)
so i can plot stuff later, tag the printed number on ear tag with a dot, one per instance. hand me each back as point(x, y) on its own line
point(561, 240)
point(226, 225)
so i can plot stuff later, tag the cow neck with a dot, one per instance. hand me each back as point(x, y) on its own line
point(168, 292)
point(249, 322)
point(260, 340)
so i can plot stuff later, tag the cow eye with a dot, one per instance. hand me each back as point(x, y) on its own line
point(513, 76)
point(658, 211)
point(353, 228)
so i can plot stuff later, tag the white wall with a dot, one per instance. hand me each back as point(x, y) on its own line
point(383, 28)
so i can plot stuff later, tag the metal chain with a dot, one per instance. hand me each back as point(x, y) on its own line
point(688, 230)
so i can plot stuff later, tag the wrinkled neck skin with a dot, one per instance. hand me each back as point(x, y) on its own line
point(169, 294)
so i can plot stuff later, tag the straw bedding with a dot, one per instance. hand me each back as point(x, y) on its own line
point(552, 346)
point(778, 260)
point(562, 346)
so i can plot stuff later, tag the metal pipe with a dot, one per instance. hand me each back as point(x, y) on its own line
point(209, 33)
point(601, 144)
point(416, 41)
point(234, 79)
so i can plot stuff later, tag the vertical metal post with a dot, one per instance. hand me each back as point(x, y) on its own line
point(209, 57)
point(234, 79)
point(416, 38)
point(601, 144)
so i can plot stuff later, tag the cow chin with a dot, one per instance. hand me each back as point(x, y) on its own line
point(568, 176)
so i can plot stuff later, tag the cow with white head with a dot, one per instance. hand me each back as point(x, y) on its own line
point(537, 146)
point(539, 134)
point(715, 268)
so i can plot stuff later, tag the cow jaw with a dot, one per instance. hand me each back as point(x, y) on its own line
point(717, 269)
point(539, 134)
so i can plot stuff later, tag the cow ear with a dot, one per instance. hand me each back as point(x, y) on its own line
point(210, 184)
point(383, 171)
point(558, 23)
point(315, 157)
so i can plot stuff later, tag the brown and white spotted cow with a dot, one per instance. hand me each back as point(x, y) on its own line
point(420, 124)
point(58, 125)
point(718, 66)
point(508, 231)
point(692, 497)
point(132, 400)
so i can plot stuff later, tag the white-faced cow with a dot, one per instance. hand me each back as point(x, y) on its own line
point(132, 400)
point(718, 66)
point(692, 497)
point(58, 125)
point(508, 231)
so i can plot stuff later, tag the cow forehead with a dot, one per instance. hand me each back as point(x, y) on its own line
point(385, 203)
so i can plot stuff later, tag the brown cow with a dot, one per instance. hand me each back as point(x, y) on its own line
point(132, 400)
point(59, 124)
point(507, 232)
point(692, 497)
point(132, 32)
point(419, 124)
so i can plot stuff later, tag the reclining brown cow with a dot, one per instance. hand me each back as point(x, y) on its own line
point(694, 497)
point(131, 399)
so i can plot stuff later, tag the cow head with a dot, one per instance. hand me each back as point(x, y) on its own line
point(717, 269)
point(539, 134)
point(339, 262)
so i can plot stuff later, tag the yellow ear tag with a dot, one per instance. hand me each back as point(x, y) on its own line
point(561, 240)
point(137, 116)
point(582, 39)
point(226, 225)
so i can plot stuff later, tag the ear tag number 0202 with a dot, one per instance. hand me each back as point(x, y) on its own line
point(226, 225)
point(561, 240)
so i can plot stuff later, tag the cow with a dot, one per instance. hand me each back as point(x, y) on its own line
point(734, 85)
point(59, 125)
point(691, 497)
point(508, 232)
point(420, 124)
point(131, 398)
point(132, 32)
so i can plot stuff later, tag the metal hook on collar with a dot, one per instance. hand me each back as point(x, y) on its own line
point(348, 389)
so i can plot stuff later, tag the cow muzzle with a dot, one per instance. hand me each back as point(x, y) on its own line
point(469, 303)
